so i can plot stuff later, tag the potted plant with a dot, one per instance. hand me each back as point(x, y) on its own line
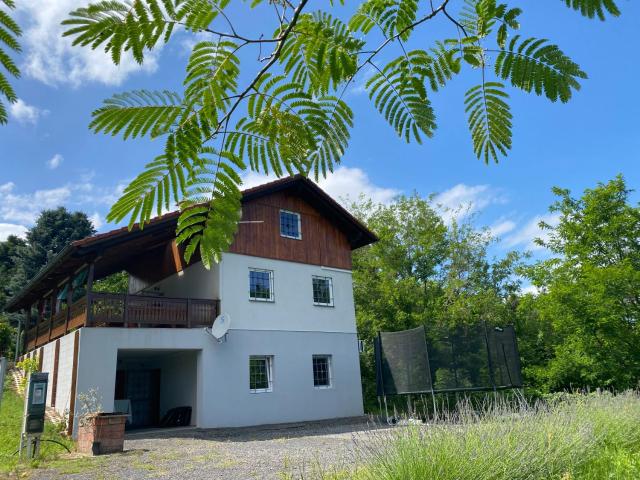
point(99, 432)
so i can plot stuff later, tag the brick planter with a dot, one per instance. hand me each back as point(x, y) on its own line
point(101, 433)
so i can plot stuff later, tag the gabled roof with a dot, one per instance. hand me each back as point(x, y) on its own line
point(118, 247)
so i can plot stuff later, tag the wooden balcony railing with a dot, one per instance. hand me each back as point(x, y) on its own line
point(129, 311)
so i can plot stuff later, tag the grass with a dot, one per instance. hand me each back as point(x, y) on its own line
point(572, 437)
point(11, 412)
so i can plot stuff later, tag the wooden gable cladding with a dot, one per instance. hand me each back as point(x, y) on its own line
point(322, 243)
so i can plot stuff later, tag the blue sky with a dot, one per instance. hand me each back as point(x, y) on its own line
point(50, 157)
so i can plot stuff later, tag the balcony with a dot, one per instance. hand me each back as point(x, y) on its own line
point(128, 311)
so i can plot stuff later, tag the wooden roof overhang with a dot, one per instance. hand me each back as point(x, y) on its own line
point(133, 250)
point(110, 252)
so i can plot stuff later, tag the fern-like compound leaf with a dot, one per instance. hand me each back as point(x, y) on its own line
point(160, 185)
point(321, 54)
point(137, 25)
point(489, 118)
point(212, 77)
point(393, 17)
point(211, 208)
point(479, 17)
point(536, 65)
point(594, 8)
point(137, 113)
point(330, 120)
point(9, 33)
point(398, 92)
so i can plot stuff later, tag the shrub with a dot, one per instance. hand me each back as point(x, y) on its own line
point(28, 366)
point(566, 438)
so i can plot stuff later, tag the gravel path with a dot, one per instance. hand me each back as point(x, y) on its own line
point(272, 452)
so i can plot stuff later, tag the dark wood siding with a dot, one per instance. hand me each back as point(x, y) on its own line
point(321, 244)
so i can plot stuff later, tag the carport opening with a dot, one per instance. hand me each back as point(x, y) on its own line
point(157, 388)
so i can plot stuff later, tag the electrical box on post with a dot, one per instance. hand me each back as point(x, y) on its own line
point(36, 403)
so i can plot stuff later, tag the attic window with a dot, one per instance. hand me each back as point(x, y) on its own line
point(290, 225)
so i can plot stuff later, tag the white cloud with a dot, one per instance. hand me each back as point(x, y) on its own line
point(7, 229)
point(462, 200)
point(524, 237)
point(24, 207)
point(344, 185)
point(18, 210)
point(501, 227)
point(52, 59)
point(359, 85)
point(96, 220)
point(55, 161)
point(25, 113)
point(532, 289)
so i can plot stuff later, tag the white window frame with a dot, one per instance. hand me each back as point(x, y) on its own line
point(269, 360)
point(271, 286)
point(330, 371)
point(331, 298)
point(299, 237)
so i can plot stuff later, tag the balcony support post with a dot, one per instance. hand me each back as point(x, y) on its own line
point(125, 311)
point(69, 302)
point(18, 337)
point(189, 312)
point(54, 310)
point(90, 275)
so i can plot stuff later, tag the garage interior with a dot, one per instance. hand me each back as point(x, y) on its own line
point(157, 388)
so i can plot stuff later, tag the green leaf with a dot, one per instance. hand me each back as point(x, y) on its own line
point(489, 118)
point(535, 65)
point(321, 54)
point(149, 189)
point(399, 93)
point(9, 33)
point(137, 113)
point(212, 207)
point(594, 8)
point(212, 77)
point(393, 17)
point(276, 135)
point(122, 26)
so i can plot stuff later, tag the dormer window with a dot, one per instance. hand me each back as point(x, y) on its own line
point(290, 225)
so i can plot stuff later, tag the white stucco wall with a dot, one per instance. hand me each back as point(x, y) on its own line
point(48, 358)
point(178, 382)
point(292, 308)
point(65, 371)
point(195, 282)
point(223, 398)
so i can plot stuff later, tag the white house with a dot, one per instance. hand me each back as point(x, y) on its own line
point(291, 353)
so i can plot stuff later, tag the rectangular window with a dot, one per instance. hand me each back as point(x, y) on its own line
point(261, 285)
point(260, 373)
point(322, 291)
point(322, 371)
point(290, 225)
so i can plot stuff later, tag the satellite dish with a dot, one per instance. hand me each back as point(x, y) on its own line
point(220, 327)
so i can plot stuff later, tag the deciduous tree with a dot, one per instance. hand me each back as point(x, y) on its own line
point(589, 291)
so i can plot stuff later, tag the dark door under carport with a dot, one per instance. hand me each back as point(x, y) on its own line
point(142, 388)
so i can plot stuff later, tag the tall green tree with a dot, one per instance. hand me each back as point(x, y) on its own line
point(589, 301)
point(11, 267)
point(287, 112)
point(21, 259)
point(54, 229)
point(423, 271)
point(9, 33)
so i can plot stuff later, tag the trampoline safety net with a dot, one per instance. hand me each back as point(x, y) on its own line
point(465, 359)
